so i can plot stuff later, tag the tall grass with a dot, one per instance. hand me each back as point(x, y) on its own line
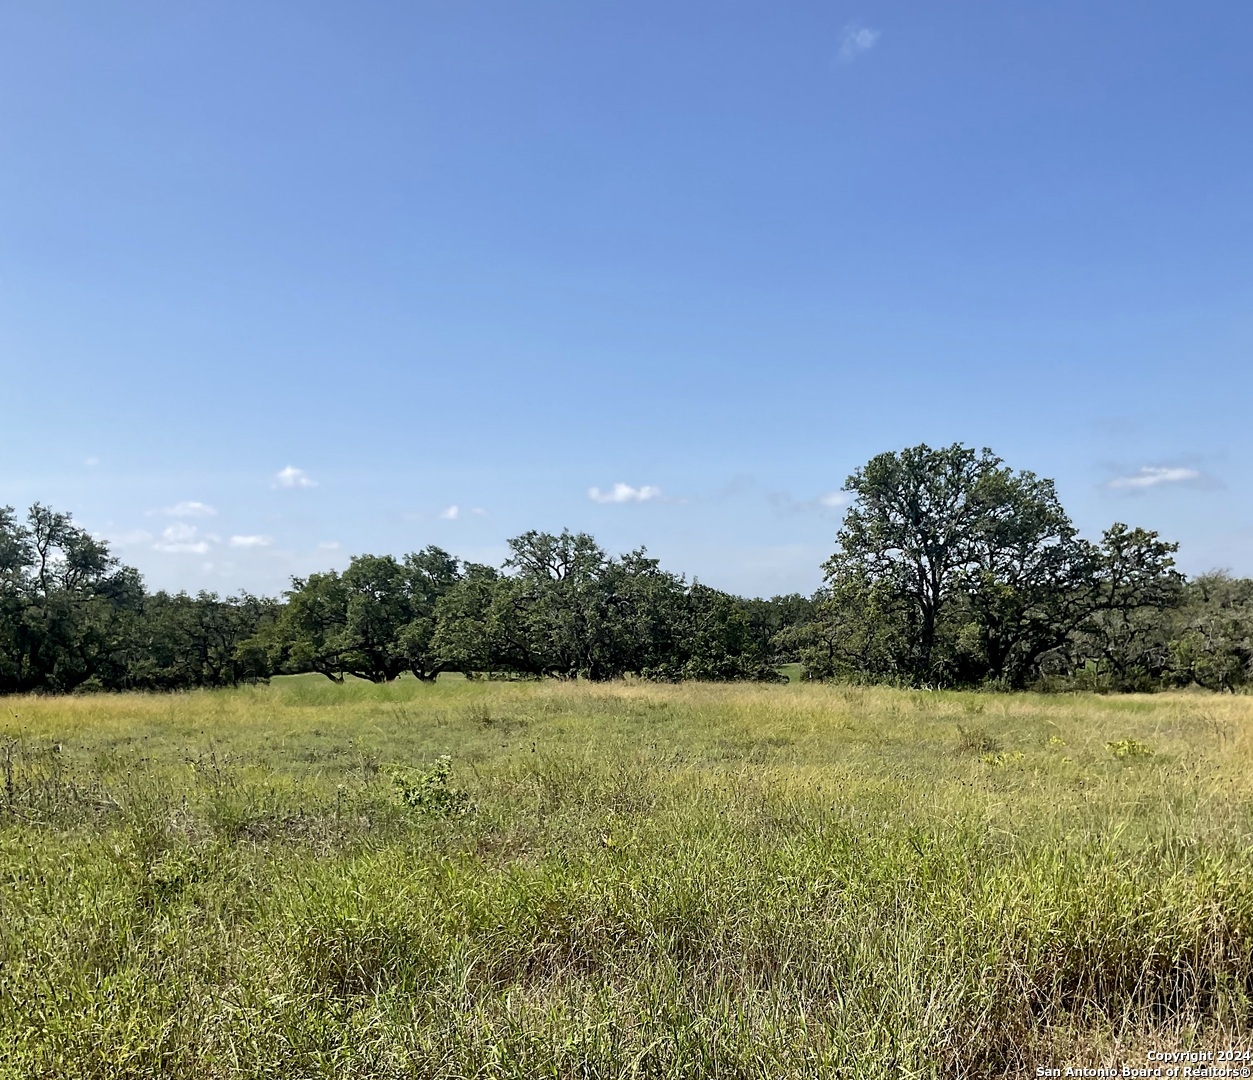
point(622, 880)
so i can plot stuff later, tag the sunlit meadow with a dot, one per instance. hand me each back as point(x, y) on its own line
point(509, 879)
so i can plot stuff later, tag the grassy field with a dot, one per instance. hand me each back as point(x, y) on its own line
point(621, 880)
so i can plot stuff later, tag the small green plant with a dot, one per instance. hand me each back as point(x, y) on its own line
point(479, 712)
point(976, 740)
point(1125, 749)
point(430, 792)
point(1003, 757)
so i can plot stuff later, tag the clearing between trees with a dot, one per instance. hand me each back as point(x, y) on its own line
point(541, 878)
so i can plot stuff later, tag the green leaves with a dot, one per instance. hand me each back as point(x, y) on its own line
point(430, 792)
point(1212, 644)
point(562, 607)
point(954, 569)
point(66, 605)
point(374, 621)
point(938, 539)
point(1129, 749)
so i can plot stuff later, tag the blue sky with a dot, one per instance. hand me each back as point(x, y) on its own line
point(281, 283)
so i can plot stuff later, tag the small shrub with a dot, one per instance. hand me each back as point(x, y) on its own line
point(1125, 749)
point(480, 713)
point(1006, 757)
point(976, 740)
point(430, 793)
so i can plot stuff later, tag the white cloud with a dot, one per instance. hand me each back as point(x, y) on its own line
point(200, 547)
point(624, 493)
point(189, 508)
point(91, 462)
point(130, 537)
point(450, 513)
point(251, 541)
point(479, 511)
point(181, 538)
point(785, 504)
point(329, 545)
point(1153, 475)
point(292, 477)
point(855, 40)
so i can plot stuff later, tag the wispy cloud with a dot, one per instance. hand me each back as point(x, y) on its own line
point(292, 477)
point(128, 537)
point(251, 541)
point(181, 538)
point(1151, 476)
point(450, 513)
point(831, 500)
point(856, 39)
point(329, 545)
point(91, 462)
point(189, 508)
point(624, 493)
point(178, 532)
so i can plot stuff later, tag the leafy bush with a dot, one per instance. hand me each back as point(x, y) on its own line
point(430, 793)
point(1129, 748)
point(976, 740)
point(1004, 757)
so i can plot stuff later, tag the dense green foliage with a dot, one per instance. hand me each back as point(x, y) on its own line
point(72, 617)
point(951, 569)
point(566, 879)
point(560, 607)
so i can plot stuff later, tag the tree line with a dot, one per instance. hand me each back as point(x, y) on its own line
point(950, 569)
point(72, 617)
point(560, 606)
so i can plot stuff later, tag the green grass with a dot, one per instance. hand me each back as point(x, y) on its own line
point(621, 880)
